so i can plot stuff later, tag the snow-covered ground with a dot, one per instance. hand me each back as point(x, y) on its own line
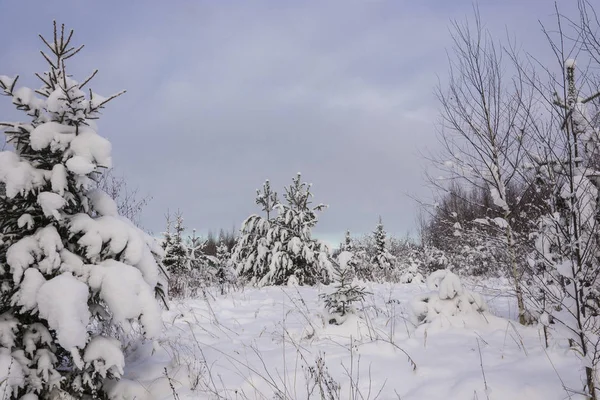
point(274, 343)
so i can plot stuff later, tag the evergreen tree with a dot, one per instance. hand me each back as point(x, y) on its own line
point(347, 245)
point(72, 271)
point(341, 301)
point(352, 262)
point(276, 250)
point(296, 256)
point(167, 234)
point(267, 199)
point(382, 261)
point(177, 259)
point(251, 254)
point(363, 254)
point(201, 272)
point(195, 248)
point(223, 254)
point(224, 275)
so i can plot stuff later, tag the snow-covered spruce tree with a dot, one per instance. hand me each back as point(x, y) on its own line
point(347, 245)
point(72, 272)
point(201, 272)
point(251, 254)
point(363, 251)
point(296, 256)
point(167, 240)
point(383, 261)
point(267, 199)
point(340, 302)
point(195, 245)
point(225, 275)
point(177, 259)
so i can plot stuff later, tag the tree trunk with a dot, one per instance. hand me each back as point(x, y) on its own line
point(515, 275)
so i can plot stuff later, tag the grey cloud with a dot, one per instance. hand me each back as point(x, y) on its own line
point(224, 95)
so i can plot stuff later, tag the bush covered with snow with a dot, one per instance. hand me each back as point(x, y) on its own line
point(410, 272)
point(74, 272)
point(448, 303)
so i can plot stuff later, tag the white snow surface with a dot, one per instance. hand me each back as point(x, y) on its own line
point(344, 258)
point(80, 165)
point(26, 297)
point(121, 236)
point(92, 147)
point(124, 290)
point(259, 344)
point(102, 203)
point(11, 374)
point(106, 354)
point(51, 203)
point(87, 148)
point(19, 176)
point(51, 134)
point(45, 243)
point(62, 301)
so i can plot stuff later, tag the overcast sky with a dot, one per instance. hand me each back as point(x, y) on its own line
point(222, 95)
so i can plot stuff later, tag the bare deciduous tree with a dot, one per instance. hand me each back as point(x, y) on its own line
point(129, 202)
point(484, 115)
point(566, 160)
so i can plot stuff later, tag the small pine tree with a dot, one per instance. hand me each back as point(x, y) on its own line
point(177, 259)
point(223, 254)
point(167, 234)
point(73, 273)
point(225, 275)
point(382, 261)
point(201, 271)
point(362, 249)
point(296, 256)
point(195, 247)
point(251, 254)
point(267, 199)
point(347, 245)
point(353, 261)
point(341, 301)
point(280, 250)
